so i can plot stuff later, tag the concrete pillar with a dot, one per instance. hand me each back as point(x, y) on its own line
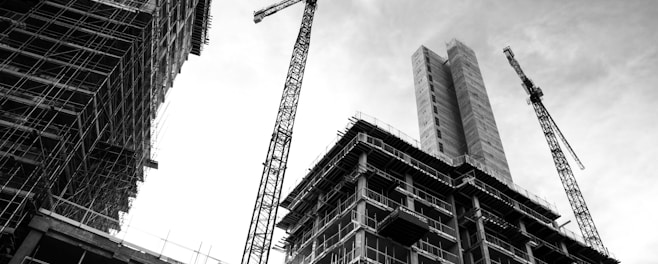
point(314, 246)
point(38, 226)
point(409, 188)
point(413, 256)
point(563, 247)
point(468, 257)
point(479, 224)
point(27, 246)
point(361, 185)
point(454, 223)
point(528, 248)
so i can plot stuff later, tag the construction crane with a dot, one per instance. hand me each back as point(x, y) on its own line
point(552, 132)
point(259, 238)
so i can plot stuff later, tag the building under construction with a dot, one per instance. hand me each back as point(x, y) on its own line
point(377, 197)
point(80, 84)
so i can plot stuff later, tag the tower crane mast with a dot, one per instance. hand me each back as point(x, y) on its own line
point(261, 228)
point(552, 133)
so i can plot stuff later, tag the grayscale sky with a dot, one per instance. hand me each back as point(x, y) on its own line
point(597, 62)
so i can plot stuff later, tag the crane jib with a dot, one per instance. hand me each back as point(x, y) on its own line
point(261, 228)
point(551, 133)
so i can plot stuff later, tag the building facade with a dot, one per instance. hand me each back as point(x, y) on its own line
point(80, 84)
point(454, 114)
point(377, 198)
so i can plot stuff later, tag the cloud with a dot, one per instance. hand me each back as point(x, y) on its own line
point(595, 60)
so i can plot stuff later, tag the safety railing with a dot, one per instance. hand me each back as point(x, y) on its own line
point(498, 194)
point(301, 259)
point(426, 198)
point(433, 199)
point(499, 243)
point(433, 250)
point(399, 134)
point(416, 192)
point(346, 257)
point(553, 246)
point(139, 239)
point(336, 213)
point(317, 173)
point(388, 128)
point(343, 233)
point(400, 155)
point(342, 206)
point(377, 256)
point(329, 219)
point(367, 221)
point(454, 161)
point(380, 199)
point(492, 218)
point(441, 227)
point(572, 235)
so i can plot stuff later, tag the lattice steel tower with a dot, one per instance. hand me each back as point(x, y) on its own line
point(259, 238)
point(552, 132)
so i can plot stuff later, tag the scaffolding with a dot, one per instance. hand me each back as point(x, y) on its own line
point(80, 84)
point(376, 197)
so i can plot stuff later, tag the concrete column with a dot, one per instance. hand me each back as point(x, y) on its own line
point(562, 245)
point(314, 246)
point(361, 185)
point(27, 246)
point(413, 256)
point(480, 230)
point(528, 248)
point(38, 226)
point(454, 223)
point(468, 256)
point(409, 188)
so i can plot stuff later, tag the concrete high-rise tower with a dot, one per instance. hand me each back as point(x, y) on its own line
point(454, 114)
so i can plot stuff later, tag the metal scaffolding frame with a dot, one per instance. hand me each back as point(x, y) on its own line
point(80, 84)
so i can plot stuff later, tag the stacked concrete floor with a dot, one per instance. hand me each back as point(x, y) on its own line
point(377, 198)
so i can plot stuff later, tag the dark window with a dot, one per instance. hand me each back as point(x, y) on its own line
point(430, 78)
point(429, 69)
point(431, 87)
point(436, 120)
point(427, 59)
point(435, 110)
point(438, 133)
point(433, 98)
point(440, 146)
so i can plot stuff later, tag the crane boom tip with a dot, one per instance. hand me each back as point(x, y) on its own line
point(508, 51)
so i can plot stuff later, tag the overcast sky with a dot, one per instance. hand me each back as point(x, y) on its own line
point(596, 62)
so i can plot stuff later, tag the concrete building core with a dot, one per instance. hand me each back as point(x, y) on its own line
point(81, 82)
point(454, 114)
point(375, 197)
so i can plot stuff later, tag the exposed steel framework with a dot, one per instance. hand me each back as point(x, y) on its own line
point(80, 84)
point(261, 228)
point(552, 132)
